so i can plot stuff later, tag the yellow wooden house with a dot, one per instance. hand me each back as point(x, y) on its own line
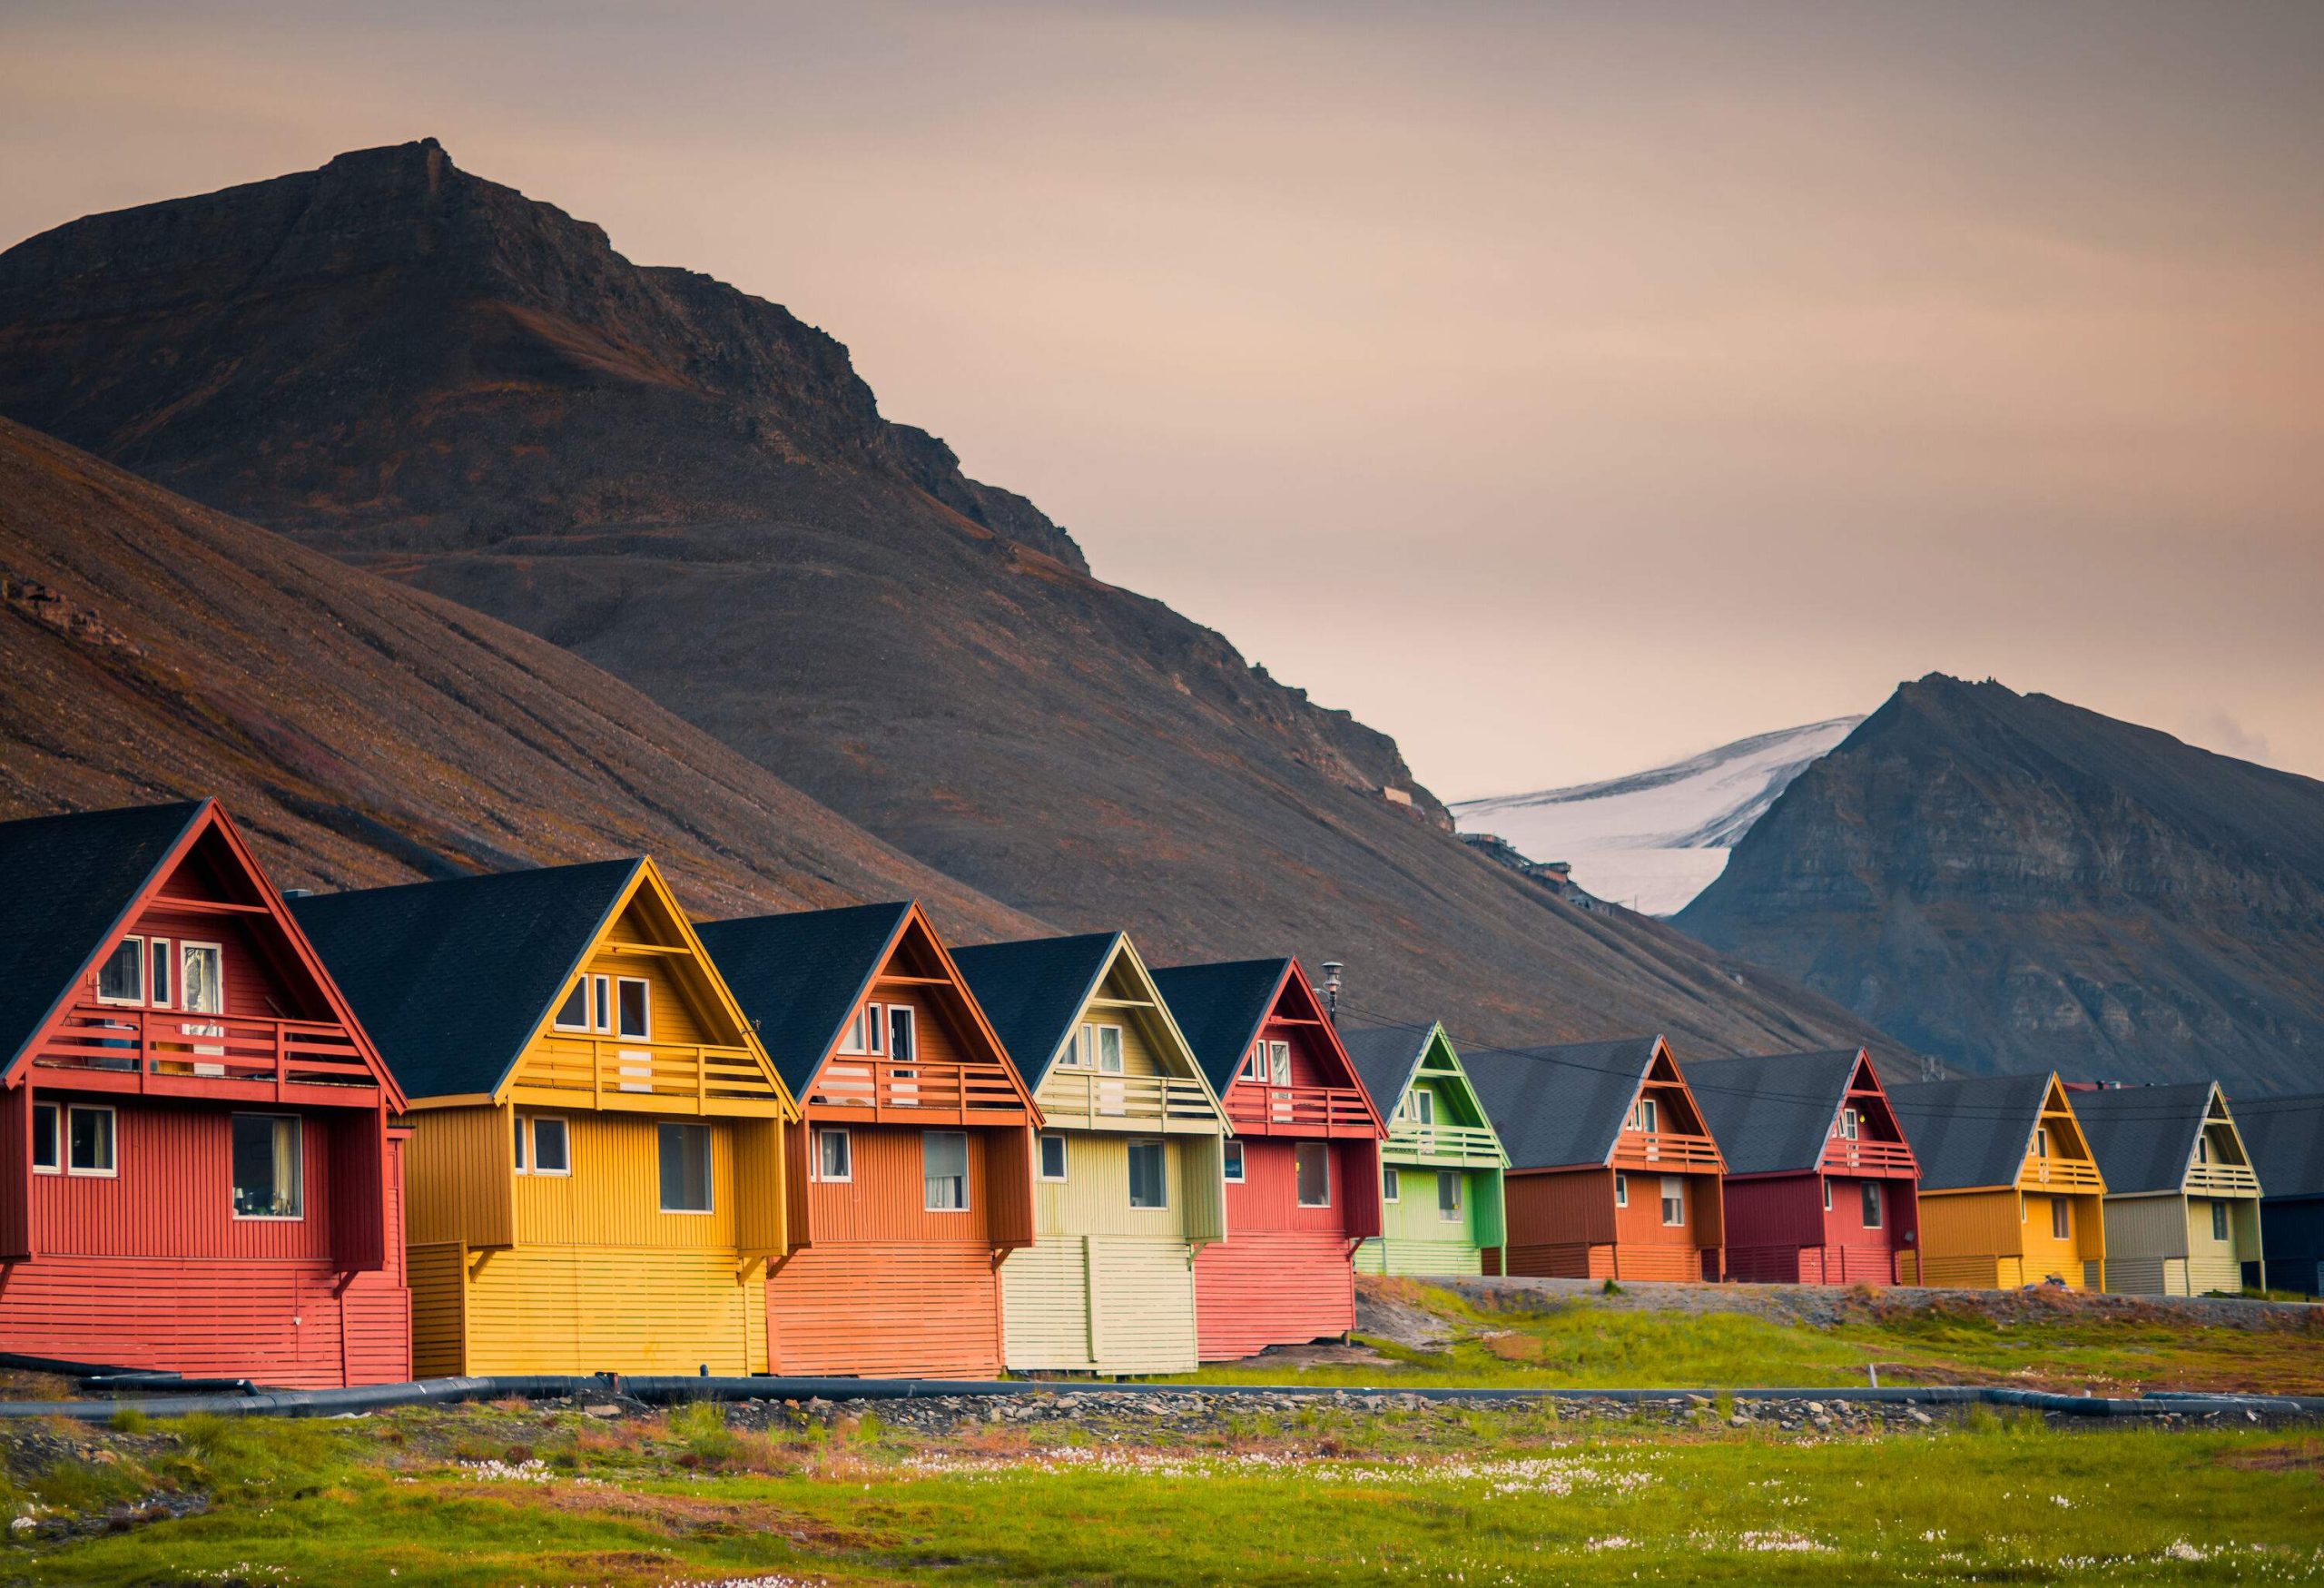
point(2009, 1192)
point(1129, 1170)
point(595, 1176)
point(2182, 1199)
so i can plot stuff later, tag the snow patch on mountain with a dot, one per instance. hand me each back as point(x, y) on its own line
point(1654, 840)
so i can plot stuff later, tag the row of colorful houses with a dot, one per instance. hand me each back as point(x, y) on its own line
point(544, 1122)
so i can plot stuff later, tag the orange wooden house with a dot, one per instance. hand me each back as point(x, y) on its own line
point(1612, 1171)
point(198, 1170)
point(912, 1169)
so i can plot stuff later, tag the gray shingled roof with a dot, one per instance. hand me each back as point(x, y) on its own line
point(1560, 1105)
point(1773, 1114)
point(1386, 1058)
point(1034, 990)
point(1971, 1133)
point(799, 976)
point(452, 978)
point(2284, 1137)
point(2143, 1137)
point(69, 881)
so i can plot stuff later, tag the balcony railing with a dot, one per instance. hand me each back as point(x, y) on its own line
point(2227, 1179)
point(1665, 1150)
point(108, 1048)
point(1094, 1099)
point(608, 1072)
point(1867, 1156)
point(2063, 1174)
point(1298, 1110)
point(1410, 1140)
point(919, 1090)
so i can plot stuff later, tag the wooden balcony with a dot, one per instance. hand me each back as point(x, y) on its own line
point(569, 1070)
point(1093, 1100)
point(1842, 1155)
point(877, 1090)
point(1667, 1150)
point(2061, 1174)
point(2223, 1179)
point(168, 1053)
point(1258, 1109)
point(1410, 1142)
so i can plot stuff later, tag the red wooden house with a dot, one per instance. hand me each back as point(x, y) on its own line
point(1302, 1169)
point(912, 1169)
point(1612, 1173)
point(196, 1166)
point(1822, 1188)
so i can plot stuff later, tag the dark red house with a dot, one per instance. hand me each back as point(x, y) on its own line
point(197, 1170)
point(1821, 1184)
point(1303, 1168)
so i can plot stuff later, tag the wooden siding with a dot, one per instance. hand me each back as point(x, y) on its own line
point(1780, 1233)
point(438, 1311)
point(1148, 1094)
point(1414, 1239)
point(1116, 1303)
point(2162, 1245)
point(1277, 1287)
point(1564, 1223)
point(1981, 1239)
point(1094, 1197)
point(886, 1201)
point(462, 1185)
point(625, 1309)
point(614, 1195)
point(920, 1308)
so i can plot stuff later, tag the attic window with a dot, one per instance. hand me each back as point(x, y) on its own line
point(903, 1046)
point(1098, 1047)
point(2202, 1150)
point(1280, 1063)
point(1645, 1115)
point(635, 1002)
point(1423, 1106)
point(2042, 1141)
point(868, 1032)
point(588, 1007)
point(1851, 1124)
point(121, 977)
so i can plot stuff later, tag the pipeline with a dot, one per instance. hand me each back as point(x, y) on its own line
point(657, 1389)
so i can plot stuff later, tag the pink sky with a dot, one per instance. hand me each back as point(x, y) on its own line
point(1560, 388)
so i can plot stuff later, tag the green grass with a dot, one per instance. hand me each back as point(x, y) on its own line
point(1327, 1496)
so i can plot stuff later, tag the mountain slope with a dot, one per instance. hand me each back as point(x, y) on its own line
point(363, 733)
point(2012, 882)
point(1654, 840)
point(434, 376)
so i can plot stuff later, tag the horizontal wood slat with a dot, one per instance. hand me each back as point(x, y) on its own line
point(1262, 1289)
point(880, 1309)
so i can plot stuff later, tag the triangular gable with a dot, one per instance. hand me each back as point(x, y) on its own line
point(1865, 1077)
point(1440, 1061)
point(1295, 999)
point(917, 953)
point(1662, 1069)
point(1036, 990)
point(164, 844)
point(1168, 1044)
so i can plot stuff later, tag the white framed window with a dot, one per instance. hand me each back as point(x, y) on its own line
point(2202, 1150)
point(2061, 1219)
point(1280, 1063)
point(552, 1145)
point(1423, 1106)
point(1391, 1185)
point(201, 979)
point(120, 979)
point(1645, 1115)
point(588, 1007)
point(1827, 1196)
point(1622, 1190)
point(685, 1168)
point(2041, 1141)
point(1097, 1047)
point(867, 1031)
point(2219, 1221)
point(634, 1007)
point(1872, 1208)
point(1231, 1154)
point(1149, 1175)
point(944, 1166)
point(903, 1045)
point(47, 1152)
point(1256, 1064)
point(163, 977)
point(1674, 1201)
point(834, 1154)
point(1312, 1160)
point(89, 1141)
point(1448, 1194)
point(1851, 1124)
point(270, 1173)
point(1052, 1157)
point(522, 1141)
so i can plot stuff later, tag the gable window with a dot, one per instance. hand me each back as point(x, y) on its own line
point(685, 1168)
point(589, 1007)
point(45, 1161)
point(944, 1164)
point(1622, 1190)
point(268, 1173)
point(834, 1154)
point(1851, 1124)
point(1645, 1115)
point(2202, 1150)
point(552, 1145)
point(902, 1047)
point(89, 1140)
point(1448, 1194)
point(1423, 1106)
point(2061, 1217)
point(1232, 1155)
point(1255, 1065)
point(1391, 1185)
point(1674, 1200)
point(163, 978)
point(633, 1003)
point(1314, 1166)
point(1052, 1157)
point(1149, 1175)
point(2042, 1141)
point(868, 1032)
point(1099, 1047)
point(121, 977)
point(1872, 1204)
point(2219, 1221)
point(1280, 1063)
point(202, 987)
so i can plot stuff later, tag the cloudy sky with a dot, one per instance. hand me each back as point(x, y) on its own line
point(1563, 388)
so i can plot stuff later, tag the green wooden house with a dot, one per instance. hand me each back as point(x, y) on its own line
point(1128, 1172)
point(1441, 1165)
point(2182, 1200)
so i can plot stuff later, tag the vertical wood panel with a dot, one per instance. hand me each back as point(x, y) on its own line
point(462, 1176)
point(172, 1196)
point(614, 1195)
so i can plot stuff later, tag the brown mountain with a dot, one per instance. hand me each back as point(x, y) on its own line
point(2011, 883)
point(436, 377)
point(364, 733)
